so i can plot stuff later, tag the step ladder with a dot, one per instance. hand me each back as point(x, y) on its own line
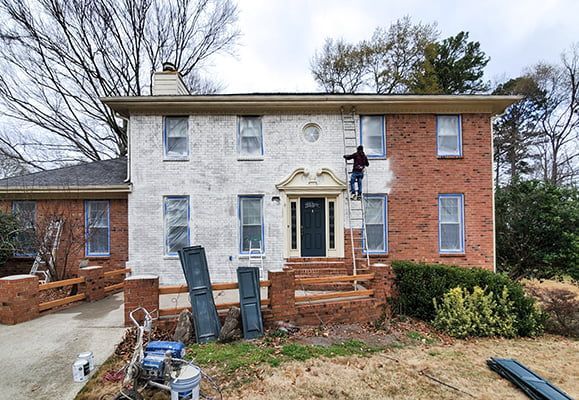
point(356, 209)
point(52, 239)
point(255, 258)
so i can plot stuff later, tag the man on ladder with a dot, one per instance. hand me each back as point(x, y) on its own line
point(360, 163)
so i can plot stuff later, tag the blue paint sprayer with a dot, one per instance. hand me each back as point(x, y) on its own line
point(160, 365)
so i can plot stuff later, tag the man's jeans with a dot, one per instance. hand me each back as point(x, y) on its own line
point(356, 177)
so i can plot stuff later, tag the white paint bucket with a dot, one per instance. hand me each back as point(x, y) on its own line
point(87, 355)
point(186, 385)
point(80, 370)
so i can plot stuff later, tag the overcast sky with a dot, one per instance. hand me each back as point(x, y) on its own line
point(280, 36)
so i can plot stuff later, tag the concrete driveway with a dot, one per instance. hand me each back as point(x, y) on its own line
point(36, 356)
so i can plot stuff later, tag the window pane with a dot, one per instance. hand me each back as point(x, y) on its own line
point(372, 135)
point(449, 209)
point(250, 135)
point(448, 134)
point(98, 227)
point(98, 241)
point(176, 224)
point(251, 233)
point(177, 138)
point(294, 225)
point(251, 223)
point(25, 213)
point(375, 235)
point(450, 237)
point(374, 211)
point(251, 211)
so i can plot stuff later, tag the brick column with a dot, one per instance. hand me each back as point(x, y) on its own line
point(383, 281)
point(18, 299)
point(94, 282)
point(141, 291)
point(282, 295)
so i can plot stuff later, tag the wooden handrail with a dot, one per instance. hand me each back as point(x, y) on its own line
point(123, 271)
point(66, 282)
point(112, 288)
point(223, 306)
point(335, 295)
point(337, 278)
point(174, 289)
point(60, 302)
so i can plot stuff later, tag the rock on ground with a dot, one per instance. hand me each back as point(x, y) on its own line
point(184, 330)
point(231, 327)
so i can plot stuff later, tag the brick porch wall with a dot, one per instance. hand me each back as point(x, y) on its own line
point(73, 209)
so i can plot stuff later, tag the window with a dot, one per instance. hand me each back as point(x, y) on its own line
point(448, 135)
point(176, 137)
point(376, 208)
point(25, 213)
point(451, 223)
point(250, 140)
point(97, 223)
point(311, 133)
point(251, 223)
point(372, 135)
point(332, 223)
point(176, 215)
point(294, 225)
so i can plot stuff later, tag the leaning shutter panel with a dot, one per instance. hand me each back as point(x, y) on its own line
point(250, 302)
point(194, 264)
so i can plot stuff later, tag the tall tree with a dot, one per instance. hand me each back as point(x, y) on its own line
point(383, 64)
point(558, 151)
point(453, 66)
point(517, 130)
point(393, 54)
point(339, 67)
point(58, 57)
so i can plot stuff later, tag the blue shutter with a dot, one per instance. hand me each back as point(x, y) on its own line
point(250, 302)
point(194, 264)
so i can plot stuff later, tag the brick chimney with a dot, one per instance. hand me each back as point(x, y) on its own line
point(169, 82)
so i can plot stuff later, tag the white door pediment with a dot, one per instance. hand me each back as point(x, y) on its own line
point(320, 181)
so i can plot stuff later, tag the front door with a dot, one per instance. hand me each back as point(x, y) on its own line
point(313, 227)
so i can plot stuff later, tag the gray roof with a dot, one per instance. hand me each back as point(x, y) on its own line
point(91, 174)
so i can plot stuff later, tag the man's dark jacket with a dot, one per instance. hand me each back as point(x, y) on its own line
point(360, 161)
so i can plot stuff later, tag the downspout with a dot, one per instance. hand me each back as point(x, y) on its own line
point(493, 199)
point(127, 120)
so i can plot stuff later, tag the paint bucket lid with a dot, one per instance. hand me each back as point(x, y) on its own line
point(85, 354)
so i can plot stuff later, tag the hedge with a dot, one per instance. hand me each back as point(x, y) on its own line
point(419, 284)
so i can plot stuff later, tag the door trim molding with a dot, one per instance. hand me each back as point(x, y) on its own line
point(303, 183)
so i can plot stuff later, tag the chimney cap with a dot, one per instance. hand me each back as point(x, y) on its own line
point(169, 66)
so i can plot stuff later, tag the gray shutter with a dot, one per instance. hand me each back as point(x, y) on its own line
point(250, 302)
point(194, 264)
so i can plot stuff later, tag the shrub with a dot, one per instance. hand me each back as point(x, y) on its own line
point(562, 308)
point(419, 284)
point(463, 314)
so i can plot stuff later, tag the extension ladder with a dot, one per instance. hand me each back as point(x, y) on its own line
point(356, 209)
point(52, 239)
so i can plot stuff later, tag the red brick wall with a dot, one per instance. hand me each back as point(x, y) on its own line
point(72, 245)
point(420, 176)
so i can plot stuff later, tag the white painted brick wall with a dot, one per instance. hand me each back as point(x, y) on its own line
point(213, 178)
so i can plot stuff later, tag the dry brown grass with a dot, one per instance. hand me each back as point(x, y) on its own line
point(461, 364)
point(551, 285)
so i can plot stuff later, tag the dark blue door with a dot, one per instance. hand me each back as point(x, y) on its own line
point(313, 227)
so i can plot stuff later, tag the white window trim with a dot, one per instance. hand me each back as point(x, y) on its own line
point(460, 198)
point(384, 198)
point(169, 157)
point(166, 252)
point(383, 126)
point(87, 206)
point(250, 157)
point(458, 153)
point(241, 225)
